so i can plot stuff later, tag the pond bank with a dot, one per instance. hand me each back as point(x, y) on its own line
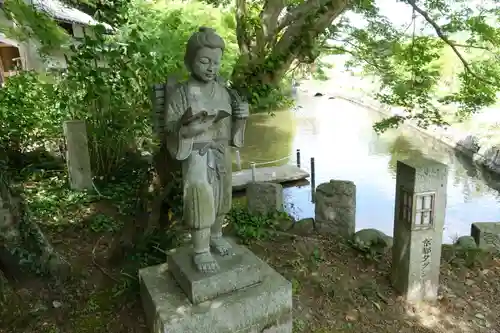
point(482, 152)
point(339, 135)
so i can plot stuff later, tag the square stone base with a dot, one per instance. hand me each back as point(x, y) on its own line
point(237, 271)
point(265, 307)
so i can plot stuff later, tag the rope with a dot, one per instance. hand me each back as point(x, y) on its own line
point(272, 162)
point(267, 162)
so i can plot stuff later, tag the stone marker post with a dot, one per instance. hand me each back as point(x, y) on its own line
point(335, 207)
point(264, 198)
point(486, 235)
point(418, 228)
point(77, 155)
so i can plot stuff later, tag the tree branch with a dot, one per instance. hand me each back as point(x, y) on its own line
point(354, 53)
point(445, 39)
point(241, 26)
point(298, 20)
point(299, 12)
point(296, 41)
point(471, 46)
point(269, 20)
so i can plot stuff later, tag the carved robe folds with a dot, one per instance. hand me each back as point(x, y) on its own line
point(206, 158)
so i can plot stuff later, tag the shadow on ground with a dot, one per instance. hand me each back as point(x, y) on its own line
point(337, 289)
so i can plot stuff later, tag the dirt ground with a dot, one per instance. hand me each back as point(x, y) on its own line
point(336, 289)
point(96, 297)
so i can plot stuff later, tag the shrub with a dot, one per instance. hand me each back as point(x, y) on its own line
point(108, 80)
point(30, 113)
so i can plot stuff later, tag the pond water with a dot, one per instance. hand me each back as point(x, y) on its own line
point(339, 135)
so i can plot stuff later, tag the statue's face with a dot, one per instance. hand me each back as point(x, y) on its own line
point(206, 64)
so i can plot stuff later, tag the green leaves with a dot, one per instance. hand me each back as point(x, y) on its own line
point(33, 25)
point(448, 56)
point(250, 227)
point(473, 94)
point(29, 112)
point(107, 80)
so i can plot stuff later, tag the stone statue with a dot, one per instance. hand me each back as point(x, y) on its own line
point(200, 119)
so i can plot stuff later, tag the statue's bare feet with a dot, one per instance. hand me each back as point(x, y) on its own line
point(221, 246)
point(205, 262)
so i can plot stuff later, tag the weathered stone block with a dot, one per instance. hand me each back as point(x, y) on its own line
point(237, 271)
point(304, 227)
point(470, 144)
point(264, 198)
point(465, 243)
point(264, 307)
point(489, 157)
point(372, 240)
point(335, 210)
point(486, 235)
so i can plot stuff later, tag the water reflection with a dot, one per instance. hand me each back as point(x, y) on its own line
point(268, 138)
point(339, 135)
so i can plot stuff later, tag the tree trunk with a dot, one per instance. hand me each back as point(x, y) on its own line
point(268, 53)
point(158, 197)
point(22, 243)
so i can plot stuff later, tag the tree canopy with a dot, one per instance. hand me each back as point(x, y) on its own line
point(406, 60)
point(274, 36)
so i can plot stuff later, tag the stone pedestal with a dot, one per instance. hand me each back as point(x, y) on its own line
point(245, 296)
point(418, 228)
point(264, 198)
point(335, 210)
point(486, 235)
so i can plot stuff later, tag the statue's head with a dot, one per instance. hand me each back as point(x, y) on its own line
point(204, 54)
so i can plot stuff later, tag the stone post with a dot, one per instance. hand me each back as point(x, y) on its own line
point(486, 235)
point(418, 228)
point(335, 209)
point(77, 155)
point(264, 198)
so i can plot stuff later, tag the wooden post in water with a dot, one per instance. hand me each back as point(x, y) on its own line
point(238, 159)
point(298, 158)
point(313, 179)
point(252, 166)
point(77, 155)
